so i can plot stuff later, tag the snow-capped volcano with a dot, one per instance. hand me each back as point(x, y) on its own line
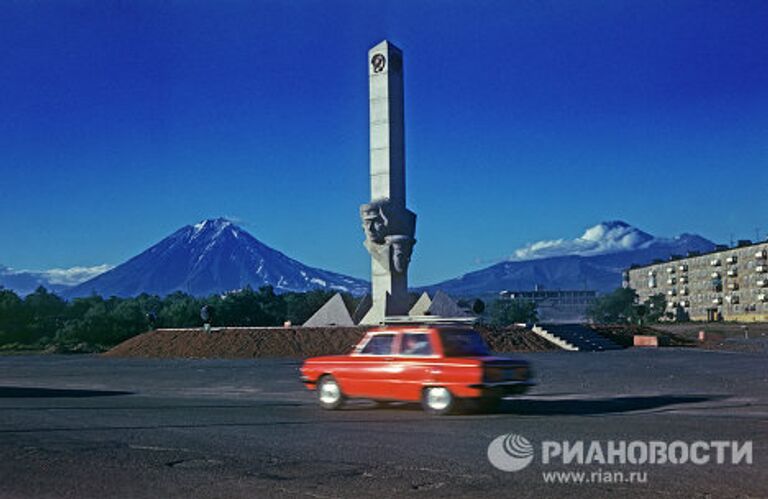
point(212, 256)
point(593, 261)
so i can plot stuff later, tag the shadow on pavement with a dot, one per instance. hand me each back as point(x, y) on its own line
point(564, 406)
point(25, 392)
point(571, 406)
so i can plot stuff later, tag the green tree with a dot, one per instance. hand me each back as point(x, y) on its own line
point(615, 307)
point(243, 308)
point(12, 317)
point(93, 328)
point(476, 305)
point(507, 312)
point(272, 305)
point(127, 318)
point(77, 308)
point(655, 306)
point(180, 310)
point(45, 312)
point(300, 306)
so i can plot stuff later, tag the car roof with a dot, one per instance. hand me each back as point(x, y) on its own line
point(418, 327)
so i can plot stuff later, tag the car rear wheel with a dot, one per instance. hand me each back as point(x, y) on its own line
point(438, 400)
point(329, 393)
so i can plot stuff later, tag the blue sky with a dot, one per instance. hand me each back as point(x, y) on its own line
point(122, 121)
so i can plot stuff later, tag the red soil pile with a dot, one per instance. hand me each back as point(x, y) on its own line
point(234, 343)
point(514, 339)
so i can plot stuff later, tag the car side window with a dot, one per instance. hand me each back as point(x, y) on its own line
point(415, 344)
point(380, 344)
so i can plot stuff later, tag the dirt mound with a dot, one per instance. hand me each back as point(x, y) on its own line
point(233, 343)
point(738, 337)
point(514, 339)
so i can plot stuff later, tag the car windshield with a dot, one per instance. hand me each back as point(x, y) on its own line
point(467, 343)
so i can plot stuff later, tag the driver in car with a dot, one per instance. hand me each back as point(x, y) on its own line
point(414, 344)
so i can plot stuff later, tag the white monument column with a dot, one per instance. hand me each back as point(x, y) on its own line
point(389, 226)
point(387, 123)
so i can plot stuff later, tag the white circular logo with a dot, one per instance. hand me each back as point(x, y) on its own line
point(510, 452)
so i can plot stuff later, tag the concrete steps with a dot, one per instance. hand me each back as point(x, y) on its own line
point(574, 337)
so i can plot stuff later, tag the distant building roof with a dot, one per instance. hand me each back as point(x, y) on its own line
point(719, 248)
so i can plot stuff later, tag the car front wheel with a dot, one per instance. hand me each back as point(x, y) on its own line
point(329, 393)
point(438, 400)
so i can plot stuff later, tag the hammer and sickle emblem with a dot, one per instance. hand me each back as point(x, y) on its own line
point(378, 61)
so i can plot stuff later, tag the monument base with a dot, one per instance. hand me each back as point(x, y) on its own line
point(385, 307)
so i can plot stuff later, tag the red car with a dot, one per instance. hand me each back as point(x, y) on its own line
point(439, 366)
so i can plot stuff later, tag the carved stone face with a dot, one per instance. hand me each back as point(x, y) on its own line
point(402, 248)
point(376, 229)
point(374, 224)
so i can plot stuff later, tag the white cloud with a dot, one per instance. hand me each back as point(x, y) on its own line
point(606, 237)
point(74, 275)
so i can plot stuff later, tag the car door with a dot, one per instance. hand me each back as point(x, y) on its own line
point(417, 359)
point(373, 370)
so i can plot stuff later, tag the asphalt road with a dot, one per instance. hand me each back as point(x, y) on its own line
point(84, 426)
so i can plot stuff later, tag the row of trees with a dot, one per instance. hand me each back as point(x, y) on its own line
point(503, 313)
point(618, 307)
point(43, 319)
point(622, 307)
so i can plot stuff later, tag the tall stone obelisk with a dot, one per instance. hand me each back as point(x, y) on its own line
point(389, 226)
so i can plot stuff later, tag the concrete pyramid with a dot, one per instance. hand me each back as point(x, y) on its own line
point(421, 307)
point(362, 308)
point(333, 313)
point(445, 306)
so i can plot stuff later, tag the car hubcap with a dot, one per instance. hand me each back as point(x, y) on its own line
point(438, 398)
point(329, 392)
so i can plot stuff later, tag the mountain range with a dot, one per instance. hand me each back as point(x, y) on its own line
point(593, 261)
point(216, 256)
point(24, 282)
